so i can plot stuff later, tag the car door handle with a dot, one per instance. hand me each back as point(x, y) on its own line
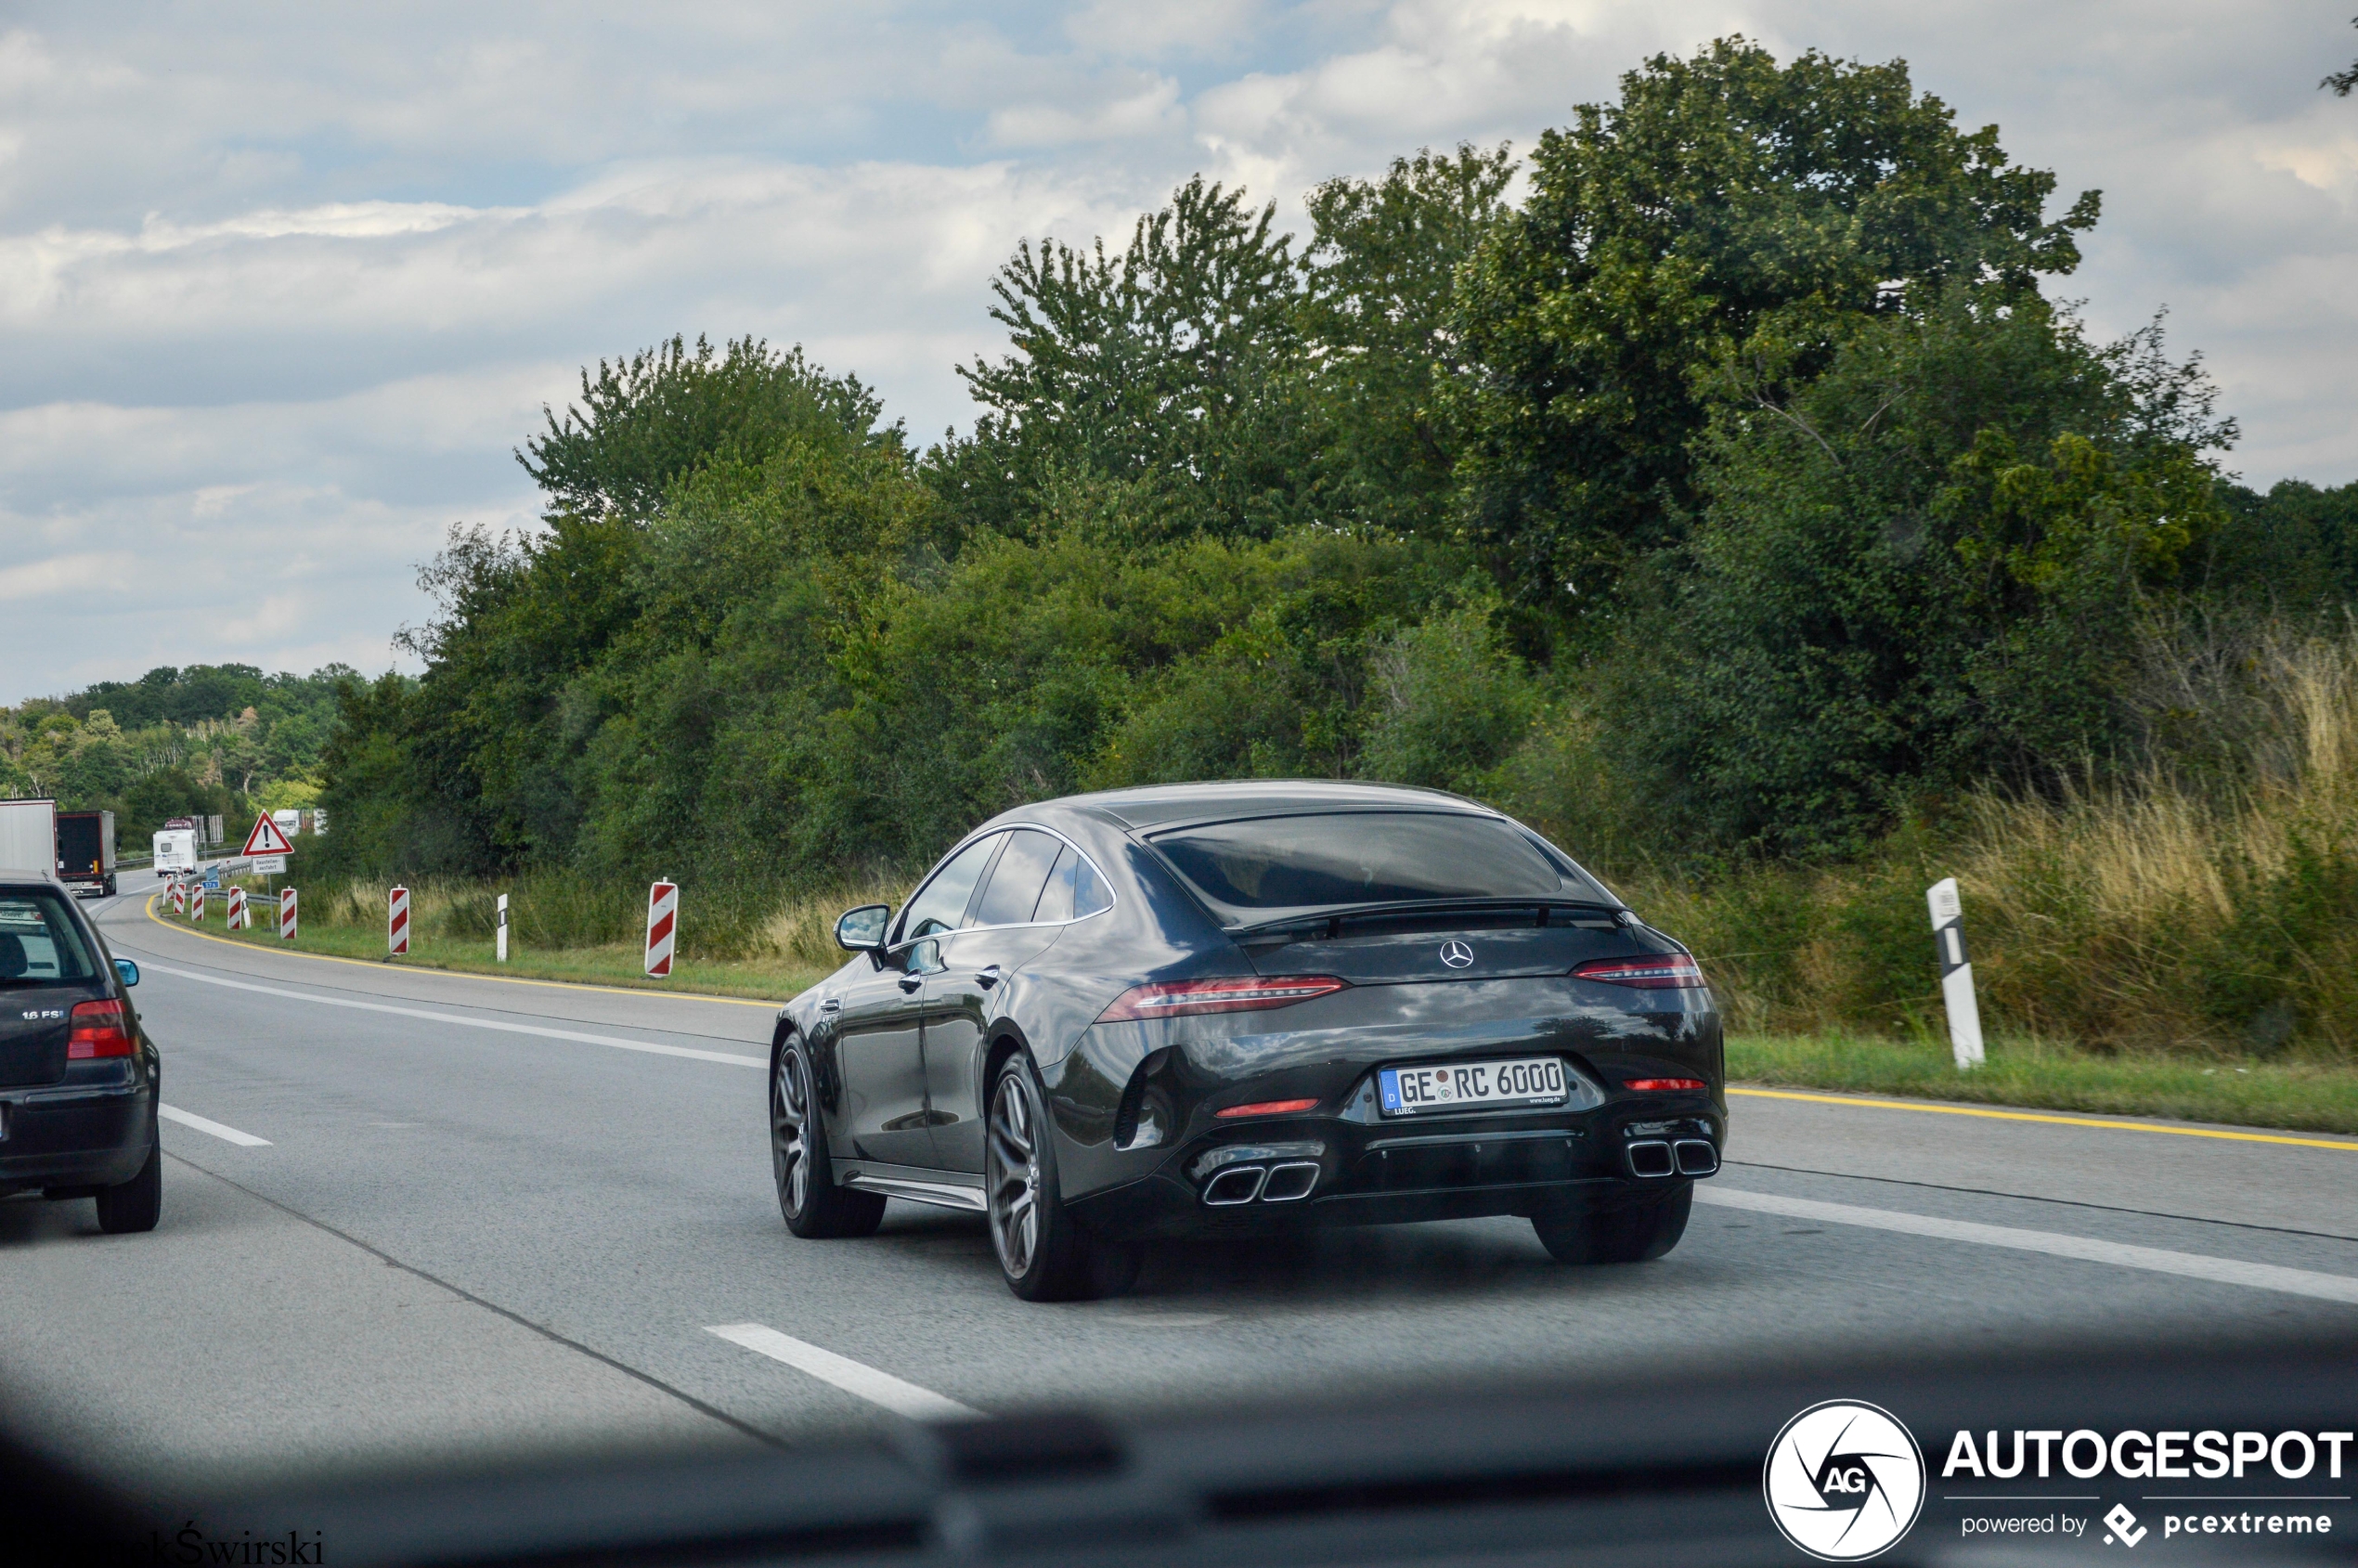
point(987, 977)
point(909, 983)
point(832, 1005)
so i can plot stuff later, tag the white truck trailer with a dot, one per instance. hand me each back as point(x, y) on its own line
point(29, 836)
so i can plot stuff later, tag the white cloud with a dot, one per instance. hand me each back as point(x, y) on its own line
point(280, 301)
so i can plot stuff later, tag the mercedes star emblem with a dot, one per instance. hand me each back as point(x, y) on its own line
point(1455, 954)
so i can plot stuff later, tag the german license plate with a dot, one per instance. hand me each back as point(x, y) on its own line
point(1420, 1091)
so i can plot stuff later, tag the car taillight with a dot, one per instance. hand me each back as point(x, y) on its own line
point(1179, 999)
point(1671, 971)
point(98, 1031)
point(1666, 1085)
point(1267, 1108)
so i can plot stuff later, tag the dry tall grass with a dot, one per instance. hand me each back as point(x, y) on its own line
point(2211, 908)
point(2170, 911)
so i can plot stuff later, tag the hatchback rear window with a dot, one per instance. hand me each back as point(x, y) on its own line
point(1270, 867)
point(40, 944)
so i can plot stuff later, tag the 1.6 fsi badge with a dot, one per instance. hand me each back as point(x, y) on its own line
point(1843, 1481)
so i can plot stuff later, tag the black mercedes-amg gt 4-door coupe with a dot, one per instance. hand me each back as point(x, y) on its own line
point(1233, 1008)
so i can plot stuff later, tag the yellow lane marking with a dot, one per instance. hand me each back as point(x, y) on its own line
point(464, 974)
point(2347, 1146)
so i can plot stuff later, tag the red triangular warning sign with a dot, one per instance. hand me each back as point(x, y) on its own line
point(265, 838)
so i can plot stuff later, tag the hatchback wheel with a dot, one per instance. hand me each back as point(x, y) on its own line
point(138, 1203)
point(1636, 1234)
point(813, 1205)
point(1045, 1256)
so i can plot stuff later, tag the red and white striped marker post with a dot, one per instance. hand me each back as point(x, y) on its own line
point(237, 909)
point(663, 919)
point(196, 903)
point(286, 914)
point(397, 922)
point(180, 898)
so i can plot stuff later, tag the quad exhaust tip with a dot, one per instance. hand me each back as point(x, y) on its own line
point(1236, 1186)
point(1240, 1184)
point(1696, 1157)
point(1654, 1158)
point(1290, 1183)
point(1650, 1157)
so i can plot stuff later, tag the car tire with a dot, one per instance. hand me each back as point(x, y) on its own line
point(1043, 1255)
point(137, 1204)
point(814, 1207)
point(1634, 1233)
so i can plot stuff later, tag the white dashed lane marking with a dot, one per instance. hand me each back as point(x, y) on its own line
point(227, 1134)
point(2152, 1260)
point(852, 1377)
point(729, 1057)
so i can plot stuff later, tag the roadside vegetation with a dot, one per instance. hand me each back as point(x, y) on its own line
point(210, 740)
point(1723, 485)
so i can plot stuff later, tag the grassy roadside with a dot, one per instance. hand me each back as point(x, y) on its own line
point(2298, 1096)
point(613, 965)
point(2295, 1096)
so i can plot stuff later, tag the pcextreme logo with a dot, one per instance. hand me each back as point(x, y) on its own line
point(1843, 1481)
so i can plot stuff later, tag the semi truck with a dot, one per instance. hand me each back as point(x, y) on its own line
point(29, 836)
point(86, 851)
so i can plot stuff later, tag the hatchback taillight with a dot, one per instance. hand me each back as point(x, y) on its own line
point(1669, 971)
point(1179, 999)
point(99, 1029)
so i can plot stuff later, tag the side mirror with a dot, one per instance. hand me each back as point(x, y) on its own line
point(128, 970)
point(862, 930)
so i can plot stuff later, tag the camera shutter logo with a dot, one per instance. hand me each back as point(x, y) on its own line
point(1843, 1481)
point(1457, 955)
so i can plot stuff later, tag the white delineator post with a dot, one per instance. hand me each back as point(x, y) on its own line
point(1956, 972)
point(503, 929)
point(397, 922)
point(286, 914)
point(237, 909)
point(663, 916)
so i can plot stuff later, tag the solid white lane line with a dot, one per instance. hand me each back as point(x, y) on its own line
point(729, 1057)
point(852, 1377)
point(227, 1134)
point(2154, 1260)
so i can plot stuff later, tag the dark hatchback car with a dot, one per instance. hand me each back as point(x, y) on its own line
point(79, 1079)
point(1233, 1008)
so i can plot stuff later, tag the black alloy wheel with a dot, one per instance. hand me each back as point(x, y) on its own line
point(1043, 1254)
point(814, 1207)
point(1635, 1233)
point(137, 1204)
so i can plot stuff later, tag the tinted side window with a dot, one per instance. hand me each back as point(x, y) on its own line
point(1015, 882)
point(1090, 893)
point(943, 900)
point(1074, 890)
point(1056, 899)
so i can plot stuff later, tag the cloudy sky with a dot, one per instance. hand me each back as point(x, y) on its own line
point(283, 285)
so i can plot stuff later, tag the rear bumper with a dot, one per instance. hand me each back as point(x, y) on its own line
point(79, 1136)
point(1258, 1178)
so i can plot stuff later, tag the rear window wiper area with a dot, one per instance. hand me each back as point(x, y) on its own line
point(1450, 914)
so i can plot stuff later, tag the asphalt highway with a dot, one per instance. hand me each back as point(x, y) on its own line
point(410, 1215)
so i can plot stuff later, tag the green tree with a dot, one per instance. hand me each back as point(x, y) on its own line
point(1726, 210)
point(1376, 313)
point(1171, 365)
point(1928, 566)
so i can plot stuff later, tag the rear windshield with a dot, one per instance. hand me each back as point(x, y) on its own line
point(40, 944)
point(1270, 867)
